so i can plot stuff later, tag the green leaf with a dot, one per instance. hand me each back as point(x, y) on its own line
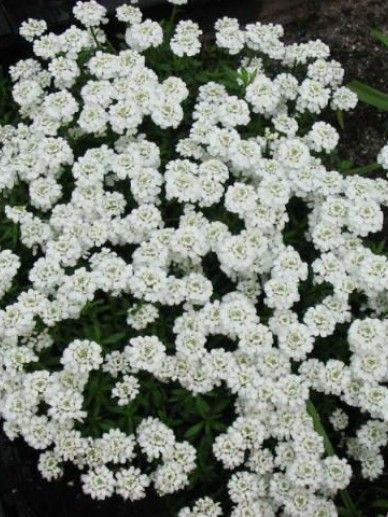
point(217, 425)
point(380, 36)
point(345, 165)
point(194, 430)
point(221, 405)
point(378, 247)
point(95, 331)
point(113, 338)
point(370, 95)
point(340, 119)
point(364, 169)
point(202, 406)
point(106, 425)
point(157, 397)
point(380, 503)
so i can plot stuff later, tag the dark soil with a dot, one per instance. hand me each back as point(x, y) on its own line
point(345, 26)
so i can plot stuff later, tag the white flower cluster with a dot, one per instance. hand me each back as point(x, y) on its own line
point(89, 202)
point(155, 440)
point(9, 265)
point(186, 39)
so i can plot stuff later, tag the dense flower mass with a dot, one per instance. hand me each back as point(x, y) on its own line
point(202, 219)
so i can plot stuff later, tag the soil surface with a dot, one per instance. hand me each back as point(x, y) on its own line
point(345, 26)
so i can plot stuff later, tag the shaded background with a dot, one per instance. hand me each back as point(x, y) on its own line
point(344, 25)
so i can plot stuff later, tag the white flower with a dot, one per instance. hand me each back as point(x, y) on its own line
point(155, 438)
point(313, 96)
point(322, 137)
point(32, 29)
point(186, 39)
point(339, 419)
point(131, 483)
point(293, 153)
point(229, 35)
point(203, 506)
point(90, 14)
point(126, 390)
point(263, 95)
point(129, 14)
point(141, 36)
point(50, 465)
point(337, 473)
point(145, 352)
point(98, 483)
point(344, 99)
point(82, 356)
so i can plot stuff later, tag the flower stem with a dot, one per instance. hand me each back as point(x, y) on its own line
point(174, 13)
point(330, 451)
point(92, 32)
point(108, 44)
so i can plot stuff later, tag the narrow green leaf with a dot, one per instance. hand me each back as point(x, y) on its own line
point(194, 430)
point(345, 166)
point(364, 169)
point(380, 503)
point(106, 425)
point(202, 406)
point(380, 36)
point(340, 119)
point(217, 425)
point(370, 95)
point(113, 338)
point(221, 405)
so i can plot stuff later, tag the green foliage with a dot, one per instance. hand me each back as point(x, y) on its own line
point(380, 36)
point(370, 95)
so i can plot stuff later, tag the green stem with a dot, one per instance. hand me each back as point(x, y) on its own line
point(95, 38)
point(174, 13)
point(330, 451)
point(366, 168)
point(108, 44)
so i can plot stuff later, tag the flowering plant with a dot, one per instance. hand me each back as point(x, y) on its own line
point(192, 303)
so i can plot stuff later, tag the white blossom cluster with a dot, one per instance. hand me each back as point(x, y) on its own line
point(80, 216)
